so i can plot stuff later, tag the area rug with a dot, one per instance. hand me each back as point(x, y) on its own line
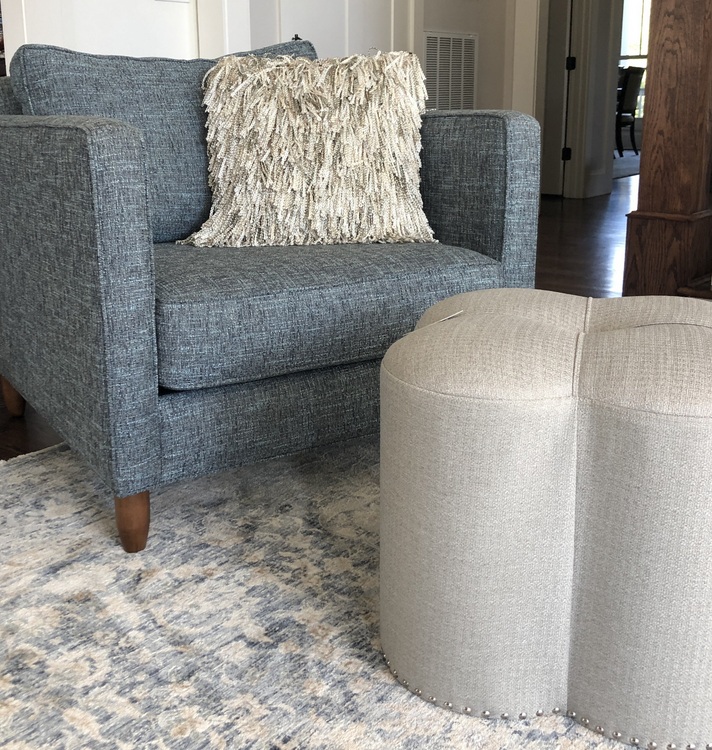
point(250, 621)
point(627, 165)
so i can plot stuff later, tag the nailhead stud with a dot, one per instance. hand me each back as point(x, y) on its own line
point(572, 714)
point(522, 715)
point(467, 710)
point(691, 747)
point(447, 704)
point(672, 746)
point(486, 714)
point(505, 715)
point(418, 692)
point(652, 745)
point(431, 699)
point(556, 710)
point(539, 713)
point(600, 730)
point(585, 722)
point(634, 741)
point(616, 735)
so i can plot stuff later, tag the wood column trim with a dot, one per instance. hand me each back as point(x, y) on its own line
point(669, 240)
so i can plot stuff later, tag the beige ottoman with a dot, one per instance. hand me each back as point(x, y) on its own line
point(546, 529)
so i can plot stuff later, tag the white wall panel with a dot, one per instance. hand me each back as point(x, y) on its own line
point(322, 22)
point(143, 28)
point(370, 26)
point(264, 22)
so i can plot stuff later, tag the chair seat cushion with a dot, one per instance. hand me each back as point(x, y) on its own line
point(233, 315)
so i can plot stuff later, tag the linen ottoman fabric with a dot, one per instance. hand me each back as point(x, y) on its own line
point(306, 152)
point(329, 304)
point(161, 97)
point(545, 517)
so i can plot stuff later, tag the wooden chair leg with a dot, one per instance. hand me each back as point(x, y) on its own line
point(619, 139)
point(14, 402)
point(632, 137)
point(133, 517)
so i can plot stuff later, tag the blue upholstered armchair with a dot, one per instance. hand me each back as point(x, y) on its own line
point(157, 362)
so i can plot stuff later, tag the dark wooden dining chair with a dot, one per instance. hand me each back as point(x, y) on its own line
point(629, 82)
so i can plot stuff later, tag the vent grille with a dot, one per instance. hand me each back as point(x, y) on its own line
point(451, 70)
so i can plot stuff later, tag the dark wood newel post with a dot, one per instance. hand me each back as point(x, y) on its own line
point(669, 240)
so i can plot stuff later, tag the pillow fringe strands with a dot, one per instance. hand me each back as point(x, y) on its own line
point(309, 152)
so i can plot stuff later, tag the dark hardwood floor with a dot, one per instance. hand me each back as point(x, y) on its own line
point(582, 242)
point(581, 251)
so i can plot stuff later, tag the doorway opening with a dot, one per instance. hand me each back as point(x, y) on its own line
point(632, 65)
point(3, 66)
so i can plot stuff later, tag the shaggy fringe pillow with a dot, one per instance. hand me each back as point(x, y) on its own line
point(306, 152)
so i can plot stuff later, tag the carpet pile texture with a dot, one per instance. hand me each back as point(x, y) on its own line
point(250, 621)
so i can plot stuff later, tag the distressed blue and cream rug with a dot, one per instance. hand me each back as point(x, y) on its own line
point(250, 621)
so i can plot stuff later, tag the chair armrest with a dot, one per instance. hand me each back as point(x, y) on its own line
point(77, 299)
point(481, 185)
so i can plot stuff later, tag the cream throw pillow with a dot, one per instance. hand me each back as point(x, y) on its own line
point(306, 152)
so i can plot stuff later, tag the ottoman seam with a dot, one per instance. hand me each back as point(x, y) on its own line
point(473, 398)
point(618, 407)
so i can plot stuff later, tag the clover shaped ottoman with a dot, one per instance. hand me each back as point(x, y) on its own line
point(546, 511)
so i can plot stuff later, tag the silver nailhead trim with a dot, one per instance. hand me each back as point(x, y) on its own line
point(634, 741)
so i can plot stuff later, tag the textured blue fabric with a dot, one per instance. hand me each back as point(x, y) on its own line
point(8, 102)
point(231, 315)
point(77, 323)
point(265, 418)
point(481, 185)
point(161, 97)
point(78, 297)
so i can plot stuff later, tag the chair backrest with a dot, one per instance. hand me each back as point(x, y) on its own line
point(161, 97)
point(630, 82)
point(8, 103)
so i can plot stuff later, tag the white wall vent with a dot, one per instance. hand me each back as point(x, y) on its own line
point(451, 70)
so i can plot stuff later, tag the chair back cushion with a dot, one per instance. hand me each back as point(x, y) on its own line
point(8, 103)
point(161, 97)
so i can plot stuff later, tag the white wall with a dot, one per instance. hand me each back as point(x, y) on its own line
point(335, 27)
point(458, 16)
point(126, 27)
point(207, 28)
